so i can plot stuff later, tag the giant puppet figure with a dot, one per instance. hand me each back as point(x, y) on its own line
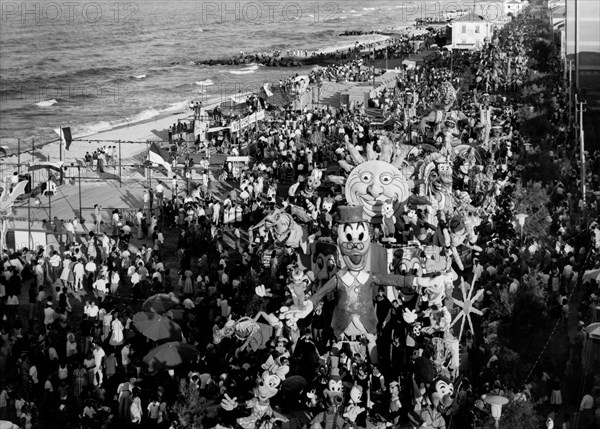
point(354, 314)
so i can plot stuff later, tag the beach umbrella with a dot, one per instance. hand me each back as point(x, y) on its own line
point(160, 303)
point(591, 275)
point(156, 327)
point(593, 331)
point(170, 355)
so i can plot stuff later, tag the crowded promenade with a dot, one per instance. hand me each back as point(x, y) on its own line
point(426, 260)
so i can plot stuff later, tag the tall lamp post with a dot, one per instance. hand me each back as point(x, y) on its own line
point(496, 402)
point(521, 219)
point(29, 222)
point(79, 184)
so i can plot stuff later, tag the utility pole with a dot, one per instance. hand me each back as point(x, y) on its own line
point(570, 86)
point(79, 184)
point(582, 106)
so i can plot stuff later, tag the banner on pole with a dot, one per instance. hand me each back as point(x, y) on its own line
point(247, 121)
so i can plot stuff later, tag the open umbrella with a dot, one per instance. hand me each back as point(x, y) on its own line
point(156, 327)
point(170, 355)
point(591, 275)
point(160, 303)
point(593, 331)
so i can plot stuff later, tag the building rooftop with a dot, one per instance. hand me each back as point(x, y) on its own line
point(470, 17)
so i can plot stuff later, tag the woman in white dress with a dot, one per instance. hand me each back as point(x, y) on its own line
point(232, 214)
point(66, 276)
point(153, 223)
point(117, 337)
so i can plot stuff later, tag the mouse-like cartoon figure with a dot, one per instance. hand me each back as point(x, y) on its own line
point(268, 385)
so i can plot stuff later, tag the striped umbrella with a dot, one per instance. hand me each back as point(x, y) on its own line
point(156, 327)
point(170, 355)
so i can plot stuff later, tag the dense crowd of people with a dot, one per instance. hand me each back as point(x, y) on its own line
point(75, 354)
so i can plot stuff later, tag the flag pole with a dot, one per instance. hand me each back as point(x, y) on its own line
point(120, 178)
point(60, 133)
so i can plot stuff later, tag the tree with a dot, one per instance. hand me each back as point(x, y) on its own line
point(517, 415)
point(527, 328)
point(192, 408)
point(533, 201)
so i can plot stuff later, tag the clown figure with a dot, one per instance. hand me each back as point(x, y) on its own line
point(354, 316)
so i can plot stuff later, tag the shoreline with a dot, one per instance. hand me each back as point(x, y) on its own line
point(137, 133)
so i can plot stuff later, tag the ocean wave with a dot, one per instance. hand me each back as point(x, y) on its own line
point(251, 68)
point(91, 129)
point(206, 82)
point(140, 76)
point(144, 115)
point(46, 103)
point(92, 72)
point(369, 8)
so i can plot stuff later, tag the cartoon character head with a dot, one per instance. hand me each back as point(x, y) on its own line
point(356, 393)
point(416, 328)
point(270, 380)
point(327, 204)
point(268, 386)
point(313, 181)
point(224, 332)
point(374, 183)
point(312, 399)
point(354, 239)
point(280, 222)
point(441, 393)
point(387, 209)
point(284, 229)
point(444, 170)
point(335, 389)
point(324, 261)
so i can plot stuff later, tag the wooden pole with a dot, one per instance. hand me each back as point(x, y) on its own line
point(18, 156)
point(29, 222)
point(60, 154)
point(120, 178)
point(79, 178)
point(582, 154)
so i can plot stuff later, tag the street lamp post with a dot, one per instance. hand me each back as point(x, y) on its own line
point(79, 184)
point(29, 222)
point(521, 219)
point(49, 207)
point(496, 402)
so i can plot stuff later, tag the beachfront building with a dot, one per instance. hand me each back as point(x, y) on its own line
point(582, 40)
point(470, 31)
point(514, 7)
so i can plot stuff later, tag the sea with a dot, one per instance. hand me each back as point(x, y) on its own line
point(97, 65)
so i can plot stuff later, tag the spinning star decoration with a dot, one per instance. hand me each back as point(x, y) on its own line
point(466, 306)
